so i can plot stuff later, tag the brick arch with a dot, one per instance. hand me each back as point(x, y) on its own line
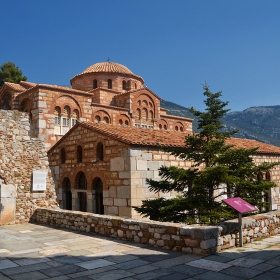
point(66, 100)
point(78, 180)
point(124, 120)
point(69, 176)
point(102, 114)
point(144, 110)
point(163, 125)
point(178, 126)
point(146, 97)
point(97, 174)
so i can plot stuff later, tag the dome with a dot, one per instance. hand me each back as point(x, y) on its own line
point(107, 67)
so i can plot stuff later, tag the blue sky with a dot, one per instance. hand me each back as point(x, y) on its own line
point(175, 45)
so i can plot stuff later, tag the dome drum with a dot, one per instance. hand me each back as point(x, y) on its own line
point(107, 75)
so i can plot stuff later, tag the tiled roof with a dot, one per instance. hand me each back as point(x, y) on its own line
point(108, 67)
point(138, 136)
point(27, 84)
point(249, 144)
point(151, 137)
point(16, 87)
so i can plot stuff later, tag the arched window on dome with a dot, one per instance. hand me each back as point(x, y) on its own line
point(94, 83)
point(109, 83)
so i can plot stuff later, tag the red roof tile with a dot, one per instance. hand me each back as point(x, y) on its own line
point(152, 137)
point(16, 87)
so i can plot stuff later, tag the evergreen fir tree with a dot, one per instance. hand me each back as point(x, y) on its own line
point(218, 169)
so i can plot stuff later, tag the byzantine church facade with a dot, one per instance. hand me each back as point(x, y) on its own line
point(105, 92)
point(103, 136)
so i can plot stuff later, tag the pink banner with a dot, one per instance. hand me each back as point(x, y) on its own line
point(240, 205)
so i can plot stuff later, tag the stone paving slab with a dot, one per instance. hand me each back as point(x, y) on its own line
point(34, 252)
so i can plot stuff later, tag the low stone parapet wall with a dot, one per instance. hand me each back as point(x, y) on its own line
point(194, 239)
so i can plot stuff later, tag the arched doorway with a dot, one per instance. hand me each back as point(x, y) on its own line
point(67, 194)
point(81, 192)
point(97, 198)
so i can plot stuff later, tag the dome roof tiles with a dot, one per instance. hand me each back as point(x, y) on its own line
point(108, 67)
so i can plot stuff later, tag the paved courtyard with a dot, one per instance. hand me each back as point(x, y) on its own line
point(33, 252)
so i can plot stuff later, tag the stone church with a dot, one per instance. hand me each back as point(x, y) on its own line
point(102, 136)
point(105, 92)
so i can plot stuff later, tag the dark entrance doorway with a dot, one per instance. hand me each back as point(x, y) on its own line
point(67, 194)
point(98, 187)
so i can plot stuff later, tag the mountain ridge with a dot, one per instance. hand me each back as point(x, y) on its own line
point(261, 123)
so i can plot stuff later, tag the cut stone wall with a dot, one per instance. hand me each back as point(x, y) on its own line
point(193, 239)
point(20, 155)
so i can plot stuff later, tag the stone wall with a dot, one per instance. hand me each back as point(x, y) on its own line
point(20, 155)
point(193, 239)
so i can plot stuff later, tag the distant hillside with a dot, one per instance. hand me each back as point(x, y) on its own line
point(259, 123)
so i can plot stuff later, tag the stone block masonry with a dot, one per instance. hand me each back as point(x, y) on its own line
point(192, 239)
point(20, 155)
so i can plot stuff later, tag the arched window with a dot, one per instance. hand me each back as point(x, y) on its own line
point(79, 154)
point(138, 114)
point(65, 119)
point(106, 120)
point(62, 156)
point(160, 126)
point(97, 119)
point(82, 181)
point(120, 122)
point(124, 85)
point(126, 122)
point(151, 117)
point(176, 128)
point(109, 83)
point(98, 199)
point(6, 101)
point(145, 115)
point(67, 194)
point(57, 114)
point(75, 117)
point(99, 151)
point(94, 83)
